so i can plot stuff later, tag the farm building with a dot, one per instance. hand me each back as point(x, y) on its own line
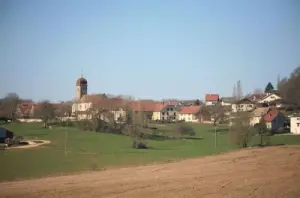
point(295, 125)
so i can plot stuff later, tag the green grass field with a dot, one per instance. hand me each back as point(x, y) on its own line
point(87, 151)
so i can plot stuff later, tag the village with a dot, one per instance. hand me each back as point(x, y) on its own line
point(279, 114)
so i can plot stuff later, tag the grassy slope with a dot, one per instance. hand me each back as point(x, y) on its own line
point(90, 150)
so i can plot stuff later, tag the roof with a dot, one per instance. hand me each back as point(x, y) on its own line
point(255, 97)
point(244, 101)
point(92, 98)
point(190, 110)
point(212, 97)
point(147, 106)
point(227, 99)
point(268, 95)
point(271, 115)
point(260, 111)
point(81, 81)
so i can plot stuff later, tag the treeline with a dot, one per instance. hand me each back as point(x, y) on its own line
point(289, 87)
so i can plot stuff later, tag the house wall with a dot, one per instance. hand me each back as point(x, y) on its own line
point(254, 120)
point(188, 117)
point(209, 103)
point(270, 98)
point(278, 122)
point(169, 113)
point(156, 115)
point(225, 103)
point(242, 107)
point(80, 107)
point(295, 125)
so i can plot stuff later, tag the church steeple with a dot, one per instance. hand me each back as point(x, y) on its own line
point(81, 87)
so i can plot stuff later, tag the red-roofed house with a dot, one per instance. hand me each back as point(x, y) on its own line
point(190, 113)
point(274, 120)
point(211, 99)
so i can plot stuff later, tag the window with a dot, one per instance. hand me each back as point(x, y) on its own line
point(167, 109)
point(163, 118)
point(167, 113)
point(163, 113)
point(298, 124)
point(174, 113)
point(171, 109)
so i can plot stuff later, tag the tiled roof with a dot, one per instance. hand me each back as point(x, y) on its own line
point(212, 97)
point(190, 110)
point(271, 115)
point(261, 111)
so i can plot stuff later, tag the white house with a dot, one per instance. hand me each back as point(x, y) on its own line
point(243, 105)
point(189, 113)
point(295, 125)
point(269, 98)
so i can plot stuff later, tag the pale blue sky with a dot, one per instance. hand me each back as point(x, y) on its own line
point(146, 48)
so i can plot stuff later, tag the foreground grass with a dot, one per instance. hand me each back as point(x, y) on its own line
point(88, 151)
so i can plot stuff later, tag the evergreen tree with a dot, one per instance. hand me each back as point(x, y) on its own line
point(269, 88)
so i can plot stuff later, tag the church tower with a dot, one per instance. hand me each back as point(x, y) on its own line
point(81, 87)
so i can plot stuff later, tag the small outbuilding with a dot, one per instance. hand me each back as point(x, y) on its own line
point(295, 125)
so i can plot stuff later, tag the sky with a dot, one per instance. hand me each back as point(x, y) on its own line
point(146, 48)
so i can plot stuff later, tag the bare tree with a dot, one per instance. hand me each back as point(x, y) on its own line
point(216, 114)
point(257, 91)
point(241, 132)
point(289, 88)
point(46, 112)
point(239, 91)
point(234, 94)
point(10, 103)
point(262, 131)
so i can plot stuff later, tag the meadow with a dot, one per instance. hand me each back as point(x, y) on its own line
point(72, 150)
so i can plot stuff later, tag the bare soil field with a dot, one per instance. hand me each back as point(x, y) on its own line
point(255, 172)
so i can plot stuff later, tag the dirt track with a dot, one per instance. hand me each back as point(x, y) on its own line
point(267, 172)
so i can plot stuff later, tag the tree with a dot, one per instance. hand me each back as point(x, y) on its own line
point(269, 88)
point(10, 103)
point(183, 129)
point(216, 114)
point(241, 132)
point(289, 88)
point(135, 122)
point(234, 94)
point(262, 131)
point(197, 102)
point(257, 91)
point(239, 91)
point(46, 112)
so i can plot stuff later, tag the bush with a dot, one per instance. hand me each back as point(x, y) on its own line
point(139, 144)
point(183, 129)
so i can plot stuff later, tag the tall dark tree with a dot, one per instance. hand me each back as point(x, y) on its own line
point(197, 102)
point(269, 88)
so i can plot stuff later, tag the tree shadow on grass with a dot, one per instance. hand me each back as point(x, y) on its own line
point(163, 138)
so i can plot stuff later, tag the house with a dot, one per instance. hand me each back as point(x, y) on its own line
point(243, 105)
point(269, 98)
point(189, 113)
point(156, 115)
point(274, 120)
point(227, 101)
point(169, 112)
point(211, 99)
point(295, 125)
point(258, 114)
